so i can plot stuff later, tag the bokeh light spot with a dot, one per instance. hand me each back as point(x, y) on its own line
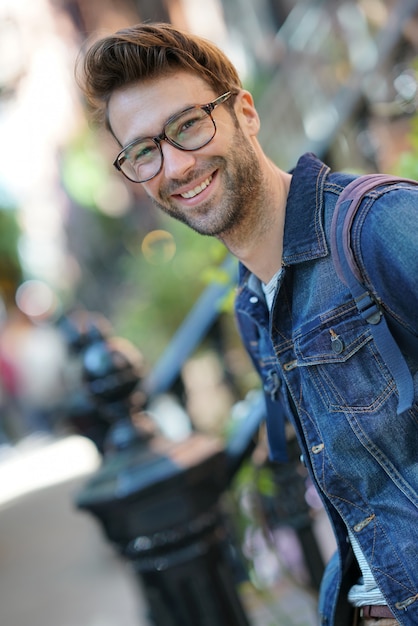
point(35, 298)
point(158, 247)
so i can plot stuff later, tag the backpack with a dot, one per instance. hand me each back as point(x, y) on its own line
point(391, 338)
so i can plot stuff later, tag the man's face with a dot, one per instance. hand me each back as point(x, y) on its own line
point(212, 188)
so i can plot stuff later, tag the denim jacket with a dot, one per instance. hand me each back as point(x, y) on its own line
point(321, 370)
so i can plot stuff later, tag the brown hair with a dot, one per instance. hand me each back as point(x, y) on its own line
point(147, 51)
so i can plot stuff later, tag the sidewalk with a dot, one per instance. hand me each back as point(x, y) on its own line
point(56, 568)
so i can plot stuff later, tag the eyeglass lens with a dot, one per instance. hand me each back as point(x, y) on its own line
point(190, 130)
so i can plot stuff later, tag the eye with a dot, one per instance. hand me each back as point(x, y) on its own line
point(142, 152)
point(186, 124)
point(189, 123)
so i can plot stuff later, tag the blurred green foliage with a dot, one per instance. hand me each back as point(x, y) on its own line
point(157, 296)
point(84, 168)
point(408, 162)
point(10, 268)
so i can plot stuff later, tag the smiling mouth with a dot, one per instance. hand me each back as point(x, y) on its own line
point(198, 189)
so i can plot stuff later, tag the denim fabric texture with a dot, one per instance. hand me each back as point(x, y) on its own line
point(321, 370)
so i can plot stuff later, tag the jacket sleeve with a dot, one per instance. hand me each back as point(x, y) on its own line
point(388, 252)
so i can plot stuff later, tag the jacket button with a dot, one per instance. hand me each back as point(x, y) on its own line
point(337, 344)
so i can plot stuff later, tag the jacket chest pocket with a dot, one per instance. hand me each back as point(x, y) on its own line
point(340, 359)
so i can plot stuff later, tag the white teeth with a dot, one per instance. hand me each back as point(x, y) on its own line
point(194, 192)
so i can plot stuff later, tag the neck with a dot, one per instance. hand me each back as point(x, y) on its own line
point(258, 241)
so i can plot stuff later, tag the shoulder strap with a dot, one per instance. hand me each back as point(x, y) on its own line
point(348, 271)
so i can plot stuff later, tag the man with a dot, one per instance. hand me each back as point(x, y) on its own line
point(188, 133)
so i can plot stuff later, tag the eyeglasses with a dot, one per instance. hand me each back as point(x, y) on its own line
point(188, 130)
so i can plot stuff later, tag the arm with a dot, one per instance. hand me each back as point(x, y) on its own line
point(388, 255)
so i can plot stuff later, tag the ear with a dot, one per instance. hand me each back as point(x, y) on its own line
point(246, 112)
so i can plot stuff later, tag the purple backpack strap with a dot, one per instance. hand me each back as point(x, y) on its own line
point(349, 273)
point(355, 192)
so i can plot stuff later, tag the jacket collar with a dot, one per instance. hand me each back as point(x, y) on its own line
point(304, 235)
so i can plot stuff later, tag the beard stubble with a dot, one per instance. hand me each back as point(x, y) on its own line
point(237, 213)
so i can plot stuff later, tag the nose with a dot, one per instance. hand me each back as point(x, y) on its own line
point(176, 163)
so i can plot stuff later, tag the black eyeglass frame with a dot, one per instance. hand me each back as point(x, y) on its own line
point(207, 108)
